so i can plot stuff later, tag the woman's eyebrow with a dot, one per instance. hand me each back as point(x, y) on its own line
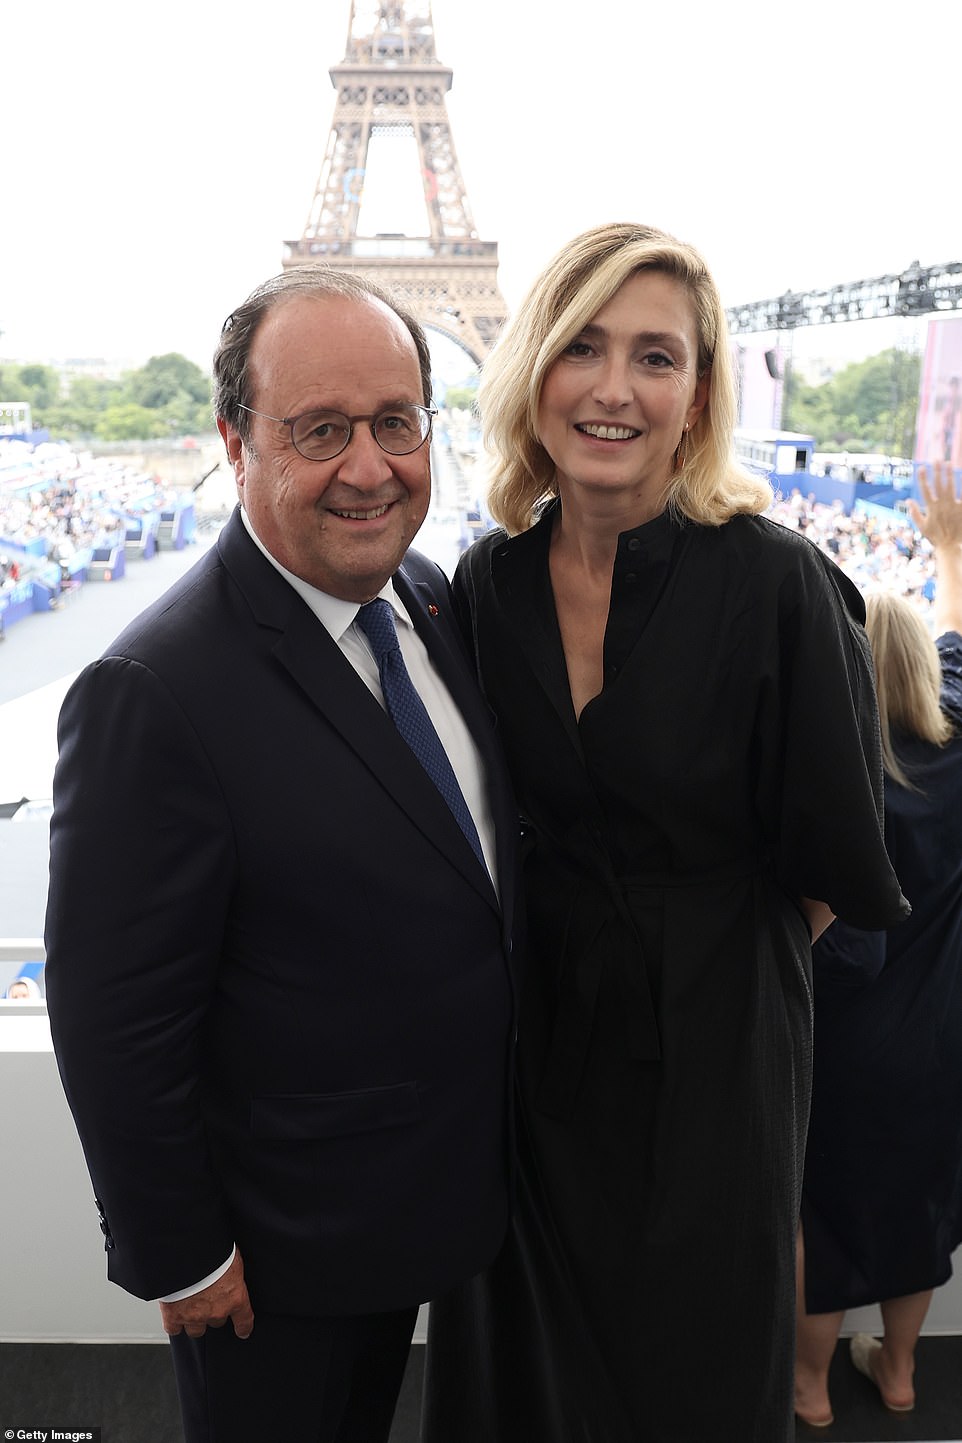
point(644, 338)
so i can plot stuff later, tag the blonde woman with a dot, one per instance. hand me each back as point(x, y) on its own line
point(684, 693)
point(882, 1200)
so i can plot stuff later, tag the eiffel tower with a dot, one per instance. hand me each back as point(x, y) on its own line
point(391, 86)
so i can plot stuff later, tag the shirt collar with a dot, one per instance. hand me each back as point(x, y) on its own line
point(335, 614)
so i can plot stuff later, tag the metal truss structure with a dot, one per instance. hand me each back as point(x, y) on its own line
point(391, 81)
point(918, 291)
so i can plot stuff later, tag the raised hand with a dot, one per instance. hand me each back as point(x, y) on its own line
point(941, 521)
point(941, 524)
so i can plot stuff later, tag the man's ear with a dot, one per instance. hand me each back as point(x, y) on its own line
point(234, 446)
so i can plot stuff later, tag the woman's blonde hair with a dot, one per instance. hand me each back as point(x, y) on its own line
point(908, 677)
point(708, 486)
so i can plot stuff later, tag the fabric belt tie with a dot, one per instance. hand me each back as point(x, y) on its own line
point(604, 936)
point(409, 714)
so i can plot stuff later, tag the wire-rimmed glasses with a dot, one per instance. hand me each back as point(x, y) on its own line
point(322, 435)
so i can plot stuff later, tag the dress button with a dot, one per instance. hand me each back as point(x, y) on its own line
point(634, 544)
point(631, 576)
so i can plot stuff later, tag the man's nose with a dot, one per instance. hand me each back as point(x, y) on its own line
point(363, 462)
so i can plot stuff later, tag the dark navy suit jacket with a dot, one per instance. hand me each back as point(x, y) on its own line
point(279, 981)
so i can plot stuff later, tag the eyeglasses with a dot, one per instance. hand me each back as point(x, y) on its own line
point(322, 435)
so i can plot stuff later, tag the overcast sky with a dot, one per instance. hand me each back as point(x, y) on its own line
point(156, 158)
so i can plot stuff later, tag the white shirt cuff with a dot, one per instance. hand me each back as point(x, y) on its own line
point(204, 1282)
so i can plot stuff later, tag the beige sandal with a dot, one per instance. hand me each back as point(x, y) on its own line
point(863, 1351)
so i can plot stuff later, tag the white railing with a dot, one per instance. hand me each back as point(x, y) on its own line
point(22, 949)
point(44, 1191)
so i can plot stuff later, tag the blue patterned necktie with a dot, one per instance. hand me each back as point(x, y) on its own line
point(409, 715)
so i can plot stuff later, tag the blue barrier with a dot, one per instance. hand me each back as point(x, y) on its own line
point(177, 526)
point(45, 588)
point(887, 496)
point(36, 546)
point(878, 511)
point(107, 563)
point(18, 601)
point(823, 489)
point(35, 437)
point(141, 533)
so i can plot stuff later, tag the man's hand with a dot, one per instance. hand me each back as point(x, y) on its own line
point(226, 1300)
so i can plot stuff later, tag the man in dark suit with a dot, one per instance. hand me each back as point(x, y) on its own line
point(278, 966)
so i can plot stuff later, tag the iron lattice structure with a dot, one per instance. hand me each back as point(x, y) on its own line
point(391, 80)
point(918, 291)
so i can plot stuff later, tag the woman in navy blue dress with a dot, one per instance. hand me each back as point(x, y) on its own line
point(882, 1196)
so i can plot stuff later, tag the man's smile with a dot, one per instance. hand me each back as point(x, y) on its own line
point(357, 515)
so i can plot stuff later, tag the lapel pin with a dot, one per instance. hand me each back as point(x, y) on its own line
point(432, 610)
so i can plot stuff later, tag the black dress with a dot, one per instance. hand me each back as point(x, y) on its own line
point(882, 1200)
point(729, 766)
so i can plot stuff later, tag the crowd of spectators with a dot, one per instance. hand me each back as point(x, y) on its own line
point(874, 546)
point(78, 502)
point(72, 502)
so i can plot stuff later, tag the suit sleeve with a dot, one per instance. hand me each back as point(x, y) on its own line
point(140, 879)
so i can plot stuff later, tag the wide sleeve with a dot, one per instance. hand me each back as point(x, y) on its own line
point(823, 771)
point(142, 865)
point(949, 647)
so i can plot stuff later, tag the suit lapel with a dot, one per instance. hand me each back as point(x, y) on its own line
point(304, 648)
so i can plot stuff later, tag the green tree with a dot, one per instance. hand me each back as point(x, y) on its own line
point(78, 412)
point(38, 385)
point(165, 379)
point(902, 418)
point(94, 393)
point(169, 396)
point(126, 421)
point(870, 405)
